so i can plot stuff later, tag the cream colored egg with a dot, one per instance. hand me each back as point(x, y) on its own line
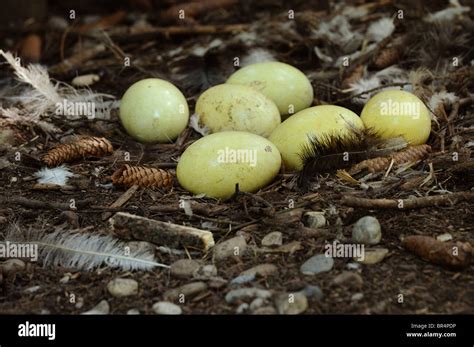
point(395, 113)
point(287, 86)
point(154, 110)
point(227, 107)
point(295, 132)
point(214, 164)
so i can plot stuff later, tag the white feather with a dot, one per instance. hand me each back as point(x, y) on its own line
point(86, 251)
point(380, 29)
point(448, 14)
point(337, 31)
point(58, 175)
point(257, 55)
point(200, 129)
point(442, 98)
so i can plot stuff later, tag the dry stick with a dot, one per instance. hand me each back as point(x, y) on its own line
point(46, 205)
point(401, 84)
point(438, 200)
point(452, 115)
point(130, 226)
point(120, 201)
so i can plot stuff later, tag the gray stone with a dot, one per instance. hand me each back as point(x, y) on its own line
point(273, 239)
point(133, 311)
point(235, 246)
point(367, 230)
point(291, 304)
point(101, 308)
point(247, 294)
point(241, 279)
point(121, 287)
point(184, 268)
point(313, 292)
point(206, 271)
point(166, 307)
point(242, 308)
point(315, 219)
point(317, 264)
point(357, 297)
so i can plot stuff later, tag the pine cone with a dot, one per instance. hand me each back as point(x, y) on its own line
point(142, 176)
point(83, 147)
point(407, 155)
point(387, 57)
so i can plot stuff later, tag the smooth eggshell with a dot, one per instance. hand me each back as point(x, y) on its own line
point(228, 107)
point(205, 168)
point(154, 110)
point(395, 113)
point(287, 86)
point(294, 133)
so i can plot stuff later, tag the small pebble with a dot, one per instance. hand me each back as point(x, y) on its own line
point(121, 287)
point(373, 256)
point(235, 246)
point(12, 265)
point(217, 282)
point(444, 237)
point(256, 304)
point(188, 290)
point(184, 268)
point(291, 304)
point(273, 239)
point(353, 266)
point(33, 289)
point(246, 294)
point(267, 310)
point(166, 307)
point(206, 271)
point(242, 308)
point(317, 264)
point(357, 297)
point(313, 292)
point(133, 311)
point(348, 279)
point(241, 279)
point(367, 231)
point(101, 308)
point(315, 219)
point(85, 80)
point(262, 270)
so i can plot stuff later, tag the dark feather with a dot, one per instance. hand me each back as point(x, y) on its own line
point(335, 151)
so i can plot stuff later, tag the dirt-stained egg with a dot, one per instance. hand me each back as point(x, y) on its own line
point(228, 107)
point(287, 86)
point(295, 133)
point(215, 164)
point(154, 110)
point(393, 113)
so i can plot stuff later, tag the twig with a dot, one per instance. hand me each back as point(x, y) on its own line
point(438, 200)
point(121, 201)
point(47, 205)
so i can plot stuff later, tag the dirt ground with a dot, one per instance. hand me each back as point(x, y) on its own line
point(426, 288)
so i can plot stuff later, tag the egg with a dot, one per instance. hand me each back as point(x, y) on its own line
point(294, 133)
point(154, 110)
point(395, 113)
point(228, 107)
point(287, 86)
point(214, 164)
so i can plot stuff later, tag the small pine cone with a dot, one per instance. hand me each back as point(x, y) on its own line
point(142, 176)
point(83, 147)
point(407, 155)
point(354, 76)
point(387, 57)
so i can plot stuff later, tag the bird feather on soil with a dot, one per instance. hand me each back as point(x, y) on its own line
point(335, 151)
point(84, 251)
